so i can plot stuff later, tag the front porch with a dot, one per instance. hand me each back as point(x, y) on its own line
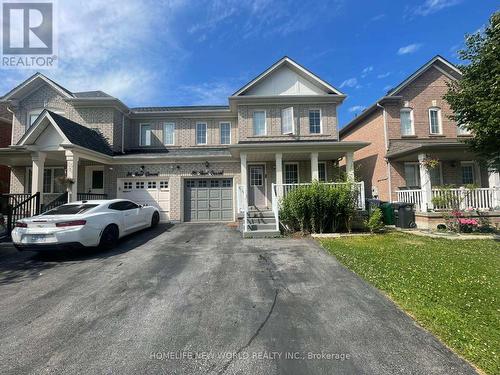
point(269, 174)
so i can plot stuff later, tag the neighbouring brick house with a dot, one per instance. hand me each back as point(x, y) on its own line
point(196, 163)
point(406, 128)
point(5, 139)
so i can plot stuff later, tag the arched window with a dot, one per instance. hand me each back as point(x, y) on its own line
point(406, 116)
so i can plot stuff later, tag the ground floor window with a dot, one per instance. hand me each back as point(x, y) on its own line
point(412, 174)
point(51, 180)
point(291, 173)
point(468, 176)
point(322, 171)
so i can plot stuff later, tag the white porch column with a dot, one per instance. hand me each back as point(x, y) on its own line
point(494, 183)
point(38, 163)
point(425, 183)
point(72, 172)
point(349, 166)
point(314, 167)
point(279, 174)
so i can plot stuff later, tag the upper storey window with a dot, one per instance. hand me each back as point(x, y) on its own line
point(225, 133)
point(259, 123)
point(315, 121)
point(406, 116)
point(168, 133)
point(145, 135)
point(33, 115)
point(435, 124)
point(287, 121)
point(201, 133)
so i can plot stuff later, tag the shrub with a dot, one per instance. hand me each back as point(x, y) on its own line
point(319, 207)
point(375, 222)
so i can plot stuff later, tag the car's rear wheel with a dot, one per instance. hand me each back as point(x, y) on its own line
point(109, 237)
point(155, 219)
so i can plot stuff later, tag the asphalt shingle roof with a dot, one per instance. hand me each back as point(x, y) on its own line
point(91, 94)
point(81, 135)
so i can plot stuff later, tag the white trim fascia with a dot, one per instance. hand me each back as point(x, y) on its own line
point(31, 80)
point(415, 75)
point(278, 64)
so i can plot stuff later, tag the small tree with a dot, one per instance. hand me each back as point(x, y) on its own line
point(375, 222)
point(475, 99)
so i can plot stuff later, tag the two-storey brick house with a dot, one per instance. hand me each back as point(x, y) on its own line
point(410, 126)
point(196, 163)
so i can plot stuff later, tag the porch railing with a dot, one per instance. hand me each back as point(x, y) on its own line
point(242, 204)
point(480, 198)
point(60, 200)
point(20, 206)
point(274, 201)
point(411, 196)
point(90, 196)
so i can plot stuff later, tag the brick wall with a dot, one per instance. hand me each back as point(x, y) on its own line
point(424, 92)
point(185, 132)
point(273, 121)
point(370, 165)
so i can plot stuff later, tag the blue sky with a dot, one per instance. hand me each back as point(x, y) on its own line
point(182, 52)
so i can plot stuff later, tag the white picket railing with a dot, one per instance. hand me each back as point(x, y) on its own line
point(480, 198)
point(411, 196)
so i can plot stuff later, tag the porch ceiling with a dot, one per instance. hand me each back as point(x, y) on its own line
point(294, 156)
point(456, 154)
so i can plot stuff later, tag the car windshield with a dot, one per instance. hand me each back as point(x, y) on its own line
point(70, 209)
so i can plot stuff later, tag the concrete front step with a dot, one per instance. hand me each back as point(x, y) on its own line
point(253, 227)
point(262, 234)
point(260, 214)
point(261, 220)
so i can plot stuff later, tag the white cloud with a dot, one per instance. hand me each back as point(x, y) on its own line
point(107, 45)
point(351, 82)
point(366, 70)
point(383, 75)
point(208, 92)
point(433, 6)
point(410, 48)
point(378, 17)
point(356, 108)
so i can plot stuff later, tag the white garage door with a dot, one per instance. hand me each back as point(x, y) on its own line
point(208, 199)
point(153, 192)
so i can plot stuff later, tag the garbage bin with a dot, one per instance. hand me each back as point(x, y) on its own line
point(370, 203)
point(404, 214)
point(388, 213)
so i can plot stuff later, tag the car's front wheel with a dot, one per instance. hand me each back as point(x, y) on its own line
point(109, 237)
point(155, 219)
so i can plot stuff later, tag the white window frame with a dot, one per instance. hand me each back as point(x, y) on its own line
point(462, 131)
point(293, 121)
point(206, 133)
point(27, 184)
point(322, 165)
point(440, 122)
point(165, 124)
point(265, 122)
point(412, 121)
point(37, 112)
point(230, 131)
point(475, 172)
point(320, 120)
point(284, 172)
point(141, 141)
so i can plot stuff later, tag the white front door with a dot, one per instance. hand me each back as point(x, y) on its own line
point(257, 185)
point(94, 179)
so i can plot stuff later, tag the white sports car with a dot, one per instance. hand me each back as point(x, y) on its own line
point(83, 223)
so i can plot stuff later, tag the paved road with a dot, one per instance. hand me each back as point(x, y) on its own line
point(197, 299)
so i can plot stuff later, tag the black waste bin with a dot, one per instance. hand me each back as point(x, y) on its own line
point(370, 203)
point(404, 215)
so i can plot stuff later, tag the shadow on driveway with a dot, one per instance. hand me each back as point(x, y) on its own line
point(18, 266)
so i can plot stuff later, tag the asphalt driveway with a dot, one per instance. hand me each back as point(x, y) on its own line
point(198, 299)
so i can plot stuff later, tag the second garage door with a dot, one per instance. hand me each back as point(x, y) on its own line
point(208, 199)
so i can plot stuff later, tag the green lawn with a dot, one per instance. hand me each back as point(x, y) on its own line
point(452, 288)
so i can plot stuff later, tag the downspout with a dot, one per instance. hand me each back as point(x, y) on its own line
point(386, 143)
point(11, 125)
point(123, 132)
